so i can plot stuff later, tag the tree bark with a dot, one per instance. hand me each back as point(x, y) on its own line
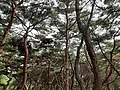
point(24, 63)
point(97, 83)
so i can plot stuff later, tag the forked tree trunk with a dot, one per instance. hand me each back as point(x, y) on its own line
point(97, 83)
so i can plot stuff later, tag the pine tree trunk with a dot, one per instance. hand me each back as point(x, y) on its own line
point(14, 8)
point(66, 66)
point(25, 62)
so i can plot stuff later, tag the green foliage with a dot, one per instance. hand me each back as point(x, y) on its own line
point(3, 79)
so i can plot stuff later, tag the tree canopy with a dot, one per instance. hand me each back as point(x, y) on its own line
point(59, 45)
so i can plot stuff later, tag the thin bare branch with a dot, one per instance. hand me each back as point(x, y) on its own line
point(91, 14)
point(108, 59)
point(78, 78)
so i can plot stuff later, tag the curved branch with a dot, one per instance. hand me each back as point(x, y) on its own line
point(91, 14)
